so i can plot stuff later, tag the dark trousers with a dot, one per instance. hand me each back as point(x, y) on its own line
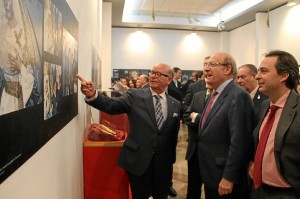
point(194, 177)
point(269, 192)
point(154, 182)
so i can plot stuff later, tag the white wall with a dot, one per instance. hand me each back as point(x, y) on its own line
point(56, 170)
point(284, 31)
point(161, 46)
point(242, 44)
point(248, 43)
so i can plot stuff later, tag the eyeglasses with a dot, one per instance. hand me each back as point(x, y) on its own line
point(157, 74)
point(214, 64)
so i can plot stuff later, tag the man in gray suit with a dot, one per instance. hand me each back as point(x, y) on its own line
point(225, 132)
point(276, 167)
point(150, 148)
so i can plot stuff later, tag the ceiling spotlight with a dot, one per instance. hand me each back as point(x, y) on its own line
point(292, 2)
point(197, 20)
point(221, 26)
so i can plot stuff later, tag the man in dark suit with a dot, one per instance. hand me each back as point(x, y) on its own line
point(143, 81)
point(196, 76)
point(174, 88)
point(276, 167)
point(193, 88)
point(246, 79)
point(149, 151)
point(225, 131)
point(191, 118)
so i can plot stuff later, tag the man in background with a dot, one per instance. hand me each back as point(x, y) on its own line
point(193, 88)
point(192, 118)
point(174, 88)
point(246, 79)
point(276, 167)
point(143, 81)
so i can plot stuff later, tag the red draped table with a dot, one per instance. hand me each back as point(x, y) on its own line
point(103, 178)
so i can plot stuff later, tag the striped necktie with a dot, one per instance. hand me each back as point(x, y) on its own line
point(158, 112)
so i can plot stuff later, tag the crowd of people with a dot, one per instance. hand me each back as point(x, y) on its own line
point(243, 128)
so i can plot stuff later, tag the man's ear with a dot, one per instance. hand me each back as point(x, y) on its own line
point(284, 76)
point(228, 70)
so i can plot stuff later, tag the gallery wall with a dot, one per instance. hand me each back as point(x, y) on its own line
point(133, 49)
point(246, 43)
point(56, 170)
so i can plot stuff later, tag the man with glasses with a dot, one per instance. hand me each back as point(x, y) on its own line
point(225, 132)
point(149, 151)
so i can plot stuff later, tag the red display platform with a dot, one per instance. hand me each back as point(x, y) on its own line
point(103, 179)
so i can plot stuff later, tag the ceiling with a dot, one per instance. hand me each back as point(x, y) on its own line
point(186, 14)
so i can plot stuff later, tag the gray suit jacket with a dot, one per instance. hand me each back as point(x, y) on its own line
point(224, 143)
point(144, 139)
point(287, 139)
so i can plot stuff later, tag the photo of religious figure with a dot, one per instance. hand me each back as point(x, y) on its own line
point(52, 90)
point(52, 29)
point(96, 68)
point(70, 64)
point(20, 60)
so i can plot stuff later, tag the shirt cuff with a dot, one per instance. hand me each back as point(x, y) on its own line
point(92, 98)
point(193, 116)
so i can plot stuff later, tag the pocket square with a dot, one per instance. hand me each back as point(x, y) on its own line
point(175, 114)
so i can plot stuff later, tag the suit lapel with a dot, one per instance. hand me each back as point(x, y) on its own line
point(170, 103)
point(286, 118)
point(218, 103)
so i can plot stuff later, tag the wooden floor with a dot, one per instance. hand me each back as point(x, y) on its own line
point(180, 171)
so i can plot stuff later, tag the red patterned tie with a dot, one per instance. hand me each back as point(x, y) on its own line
point(209, 106)
point(257, 173)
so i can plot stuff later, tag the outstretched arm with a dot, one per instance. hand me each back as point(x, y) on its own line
point(87, 87)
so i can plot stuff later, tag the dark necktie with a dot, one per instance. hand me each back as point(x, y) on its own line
point(207, 97)
point(257, 173)
point(158, 112)
point(208, 107)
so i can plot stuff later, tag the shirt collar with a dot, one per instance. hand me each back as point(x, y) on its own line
point(281, 101)
point(253, 93)
point(163, 94)
point(223, 85)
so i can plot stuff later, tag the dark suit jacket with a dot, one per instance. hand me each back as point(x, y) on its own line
point(186, 86)
point(192, 89)
point(257, 100)
point(175, 91)
point(197, 105)
point(144, 139)
point(287, 139)
point(224, 143)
